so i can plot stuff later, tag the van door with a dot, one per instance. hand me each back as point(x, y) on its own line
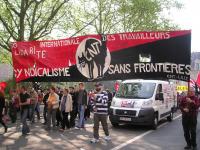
point(167, 94)
point(160, 100)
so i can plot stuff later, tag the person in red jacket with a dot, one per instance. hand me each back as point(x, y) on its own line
point(189, 106)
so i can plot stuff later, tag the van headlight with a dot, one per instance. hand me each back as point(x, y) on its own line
point(147, 103)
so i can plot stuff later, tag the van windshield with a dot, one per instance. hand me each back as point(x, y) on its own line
point(139, 90)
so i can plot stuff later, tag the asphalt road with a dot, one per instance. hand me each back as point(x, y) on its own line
point(168, 136)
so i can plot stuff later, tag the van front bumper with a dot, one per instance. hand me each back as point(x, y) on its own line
point(144, 117)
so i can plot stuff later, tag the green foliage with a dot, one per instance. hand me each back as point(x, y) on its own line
point(22, 20)
point(11, 84)
point(5, 57)
point(114, 16)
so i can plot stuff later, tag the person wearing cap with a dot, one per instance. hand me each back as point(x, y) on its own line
point(189, 106)
point(100, 108)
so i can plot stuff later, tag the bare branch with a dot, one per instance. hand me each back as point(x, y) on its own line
point(12, 17)
point(54, 12)
point(85, 26)
point(10, 31)
point(5, 44)
point(11, 7)
point(47, 31)
point(32, 24)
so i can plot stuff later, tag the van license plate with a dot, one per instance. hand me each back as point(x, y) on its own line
point(124, 119)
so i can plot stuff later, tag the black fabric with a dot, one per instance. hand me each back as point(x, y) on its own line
point(73, 115)
point(83, 98)
point(189, 128)
point(65, 120)
point(74, 99)
point(175, 50)
point(2, 104)
point(74, 112)
point(1, 121)
point(58, 117)
point(87, 112)
point(23, 99)
point(45, 99)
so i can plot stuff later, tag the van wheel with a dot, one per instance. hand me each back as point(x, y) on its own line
point(155, 122)
point(114, 124)
point(170, 117)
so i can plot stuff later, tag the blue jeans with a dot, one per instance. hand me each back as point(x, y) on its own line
point(25, 128)
point(81, 110)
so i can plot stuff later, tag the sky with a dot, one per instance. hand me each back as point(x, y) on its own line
point(189, 18)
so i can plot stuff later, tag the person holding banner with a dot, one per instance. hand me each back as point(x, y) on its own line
point(189, 106)
point(24, 103)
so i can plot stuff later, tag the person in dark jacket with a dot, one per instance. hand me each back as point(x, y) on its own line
point(74, 112)
point(189, 106)
point(82, 105)
point(2, 110)
point(110, 96)
point(45, 98)
point(58, 113)
point(14, 106)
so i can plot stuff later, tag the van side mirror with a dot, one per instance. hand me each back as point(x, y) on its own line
point(159, 96)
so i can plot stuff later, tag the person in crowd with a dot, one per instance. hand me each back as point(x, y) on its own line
point(110, 96)
point(24, 103)
point(2, 110)
point(189, 106)
point(82, 105)
point(100, 108)
point(58, 113)
point(87, 111)
point(180, 97)
point(65, 108)
point(14, 106)
point(52, 106)
point(33, 105)
point(114, 92)
point(76, 91)
point(37, 107)
point(74, 112)
point(46, 96)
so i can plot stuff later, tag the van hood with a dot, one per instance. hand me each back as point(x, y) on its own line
point(128, 103)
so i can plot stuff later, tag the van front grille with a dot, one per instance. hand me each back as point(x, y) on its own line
point(125, 112)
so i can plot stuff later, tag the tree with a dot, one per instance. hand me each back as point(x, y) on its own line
point(29, 19)
point(123, 16)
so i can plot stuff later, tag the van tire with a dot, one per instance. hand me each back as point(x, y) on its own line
point(170, 117)
point(114, 124)
point(155, 122)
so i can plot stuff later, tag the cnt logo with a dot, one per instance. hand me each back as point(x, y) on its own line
point(92, 58)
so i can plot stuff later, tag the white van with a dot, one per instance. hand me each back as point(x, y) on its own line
point(143, 102)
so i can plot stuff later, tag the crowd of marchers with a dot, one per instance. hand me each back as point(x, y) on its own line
point(71, 107)
point(63, 109)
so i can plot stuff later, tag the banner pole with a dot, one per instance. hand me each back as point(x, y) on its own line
point(188, 87)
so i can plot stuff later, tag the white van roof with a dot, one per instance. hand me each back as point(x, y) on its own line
point(142, 80)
